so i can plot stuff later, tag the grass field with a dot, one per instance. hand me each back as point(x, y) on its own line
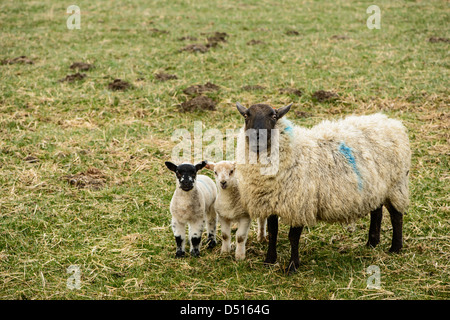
point(113, 222)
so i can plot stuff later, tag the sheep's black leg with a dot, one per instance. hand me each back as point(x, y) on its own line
point(272, 227)
point(195, 243)
point(397, 226)
point(294, 238)
point(211, 241)
point(180, 251)
point(375, 227)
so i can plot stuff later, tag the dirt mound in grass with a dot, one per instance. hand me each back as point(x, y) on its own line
point(73, 77)
point(119, 85)
point(17, 60)
point(198, 103)
point(201, 88)
point(215, 37)
point(195, 47)
point(339, 37)
point(161, 76)
point(212, 41)
point(292, 32)
point(81, 66)
point(438, 39)
point(254, 42)
point(322, 95)
point(93, 178)
point(292, 91)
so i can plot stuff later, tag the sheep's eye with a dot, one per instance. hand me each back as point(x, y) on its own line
point(231, 172)
point(178, 175)
point(245, 116)
point(274, 117)
point(215, 173)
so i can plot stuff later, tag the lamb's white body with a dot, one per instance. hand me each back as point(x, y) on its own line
point(230, 210)
point(193, 208)
point(336, 171)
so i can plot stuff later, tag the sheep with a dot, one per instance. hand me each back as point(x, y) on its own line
point(337, 171)
point(229, 209)
point(192, 203)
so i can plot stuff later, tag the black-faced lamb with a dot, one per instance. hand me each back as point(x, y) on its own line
point(192, 203)
point(229, 209)
point(337, 171)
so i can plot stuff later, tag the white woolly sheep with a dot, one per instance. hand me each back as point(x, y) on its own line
point(229, 209)
point(335, 172)
point(192, 203)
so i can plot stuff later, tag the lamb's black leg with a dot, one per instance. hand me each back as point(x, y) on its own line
point(180, 252)
point(294, 237)
point(272, 227)
point(397, 226)
point(375, 227)
point(211, 241)
point(195, 246)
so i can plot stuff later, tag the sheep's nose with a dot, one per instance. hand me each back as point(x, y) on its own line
point(223, 184)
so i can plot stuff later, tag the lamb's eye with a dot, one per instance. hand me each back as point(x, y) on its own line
point(231, 172)
point(215, 173)
point(274, 117)
point(178, 175)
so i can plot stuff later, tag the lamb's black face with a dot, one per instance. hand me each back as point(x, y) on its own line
point(186, 173)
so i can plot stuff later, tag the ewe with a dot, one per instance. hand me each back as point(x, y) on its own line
point(336, 172)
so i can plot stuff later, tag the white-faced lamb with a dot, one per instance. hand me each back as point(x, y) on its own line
point(192, 203)
point(229, 209)
point(337, 171)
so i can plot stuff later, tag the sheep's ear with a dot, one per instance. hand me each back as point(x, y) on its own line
point(201, 165)
point(242, 110)
point(171, 166)
point(283, 110)
point(210, 165)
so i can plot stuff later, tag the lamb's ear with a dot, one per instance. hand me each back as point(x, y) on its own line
point(171, 166)
point(283, 110)
point(201, 165)
point(242, 110)
point(210, 165)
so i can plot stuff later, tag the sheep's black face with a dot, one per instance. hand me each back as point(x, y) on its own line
point(260, 119)
point(186, 173)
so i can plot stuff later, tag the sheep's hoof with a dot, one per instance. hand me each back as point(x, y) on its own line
point(371, 245)
point(293, 267)
point(195, 253)
point(180, 254)
point(270, 261)
point(212, 244)
point(395, 249)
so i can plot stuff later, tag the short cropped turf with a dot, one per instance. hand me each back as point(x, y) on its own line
point(82, 175)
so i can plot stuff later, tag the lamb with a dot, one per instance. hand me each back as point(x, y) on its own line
point(192, 203)
point(229, 209)
point(335, 172)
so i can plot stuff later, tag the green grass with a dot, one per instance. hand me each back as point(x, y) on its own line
point(120, 235)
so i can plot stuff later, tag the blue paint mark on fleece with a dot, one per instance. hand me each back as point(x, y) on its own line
point(289, 130)
point(348, 154)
